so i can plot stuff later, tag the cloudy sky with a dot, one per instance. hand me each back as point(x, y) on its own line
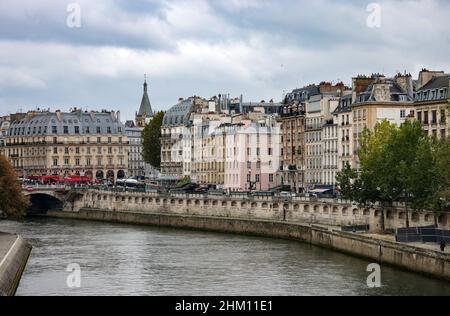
point(258, 48)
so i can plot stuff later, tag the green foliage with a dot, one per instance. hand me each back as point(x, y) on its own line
point(441, 198)
point(13, 203)
point(151, 140)
point(399, 164)
point(183, 182)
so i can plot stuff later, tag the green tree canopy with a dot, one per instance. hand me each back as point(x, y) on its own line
point(151, 137)
point(13, 203)
point(399, 164)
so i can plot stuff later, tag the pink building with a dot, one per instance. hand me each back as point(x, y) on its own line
point(253, 151)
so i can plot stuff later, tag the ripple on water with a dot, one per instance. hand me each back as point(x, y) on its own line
point(137, 260)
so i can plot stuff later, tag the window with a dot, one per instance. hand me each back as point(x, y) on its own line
point(271, 178)
point(77, 162)
point(402, 113)
point(55, 162)
point(88, 130)
point(55, 140)
point(434, 117)
point(258, 178)
point(109, 130)
point(77, 150)
point(109, 150)
point(54, 130)
point(77, 130)
point(66, 150)
point(99, 130)
point(66, 162)
point(66, 129)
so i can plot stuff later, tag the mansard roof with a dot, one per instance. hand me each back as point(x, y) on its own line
point(87, 123)
point(437, 83)
point(179, 114)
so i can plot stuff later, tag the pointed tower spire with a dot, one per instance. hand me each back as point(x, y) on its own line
point(145, 110)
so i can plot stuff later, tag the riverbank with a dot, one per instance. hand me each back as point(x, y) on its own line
point(420, 260)
point(14, 254)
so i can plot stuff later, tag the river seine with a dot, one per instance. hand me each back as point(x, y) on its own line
point(137, 260)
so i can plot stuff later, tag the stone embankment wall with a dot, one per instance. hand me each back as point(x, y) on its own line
point(14, 253)
point(324, 212)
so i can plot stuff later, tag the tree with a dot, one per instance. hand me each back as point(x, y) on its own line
point(440, 199)
point(13, 203)
point(396, 164)
point(152, 140)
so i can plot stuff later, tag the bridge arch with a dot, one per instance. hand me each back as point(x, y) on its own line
point(41, 203)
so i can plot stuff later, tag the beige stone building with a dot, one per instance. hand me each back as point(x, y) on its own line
point(432, 103)
point(93, 144)
point(209, 154)
point(384, 99)
point(176, 139)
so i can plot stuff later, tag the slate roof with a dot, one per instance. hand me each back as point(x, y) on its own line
point(178, 114)
point(345, 104)
point(437, 83)
point(395, 92)
point(145, 110)
point(43, 123)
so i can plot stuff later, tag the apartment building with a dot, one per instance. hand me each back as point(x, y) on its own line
point(388, 99)
point(253, 151)
point(93, 144)
point(432, 103)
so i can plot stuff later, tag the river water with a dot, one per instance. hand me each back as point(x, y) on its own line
point(137, 260)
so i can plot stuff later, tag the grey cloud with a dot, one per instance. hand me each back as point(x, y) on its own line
point(255, 47)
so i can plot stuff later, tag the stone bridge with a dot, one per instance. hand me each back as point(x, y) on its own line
point(52, 198)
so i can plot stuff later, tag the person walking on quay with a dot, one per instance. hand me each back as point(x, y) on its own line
point(443, 245)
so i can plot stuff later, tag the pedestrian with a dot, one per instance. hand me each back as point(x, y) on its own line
point(443, 245)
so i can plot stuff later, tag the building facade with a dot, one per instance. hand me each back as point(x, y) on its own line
point(385, 99)
point(176, 138)
point(253, 151)
point(432, 103)
point(92, 144)
point(318, 110)
point(343, 115)
point(330, 159)
point(293, 145)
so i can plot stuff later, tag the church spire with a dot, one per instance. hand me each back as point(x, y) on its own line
point(145, 110)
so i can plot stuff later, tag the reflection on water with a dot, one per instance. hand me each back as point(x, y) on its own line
point(137, 260)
